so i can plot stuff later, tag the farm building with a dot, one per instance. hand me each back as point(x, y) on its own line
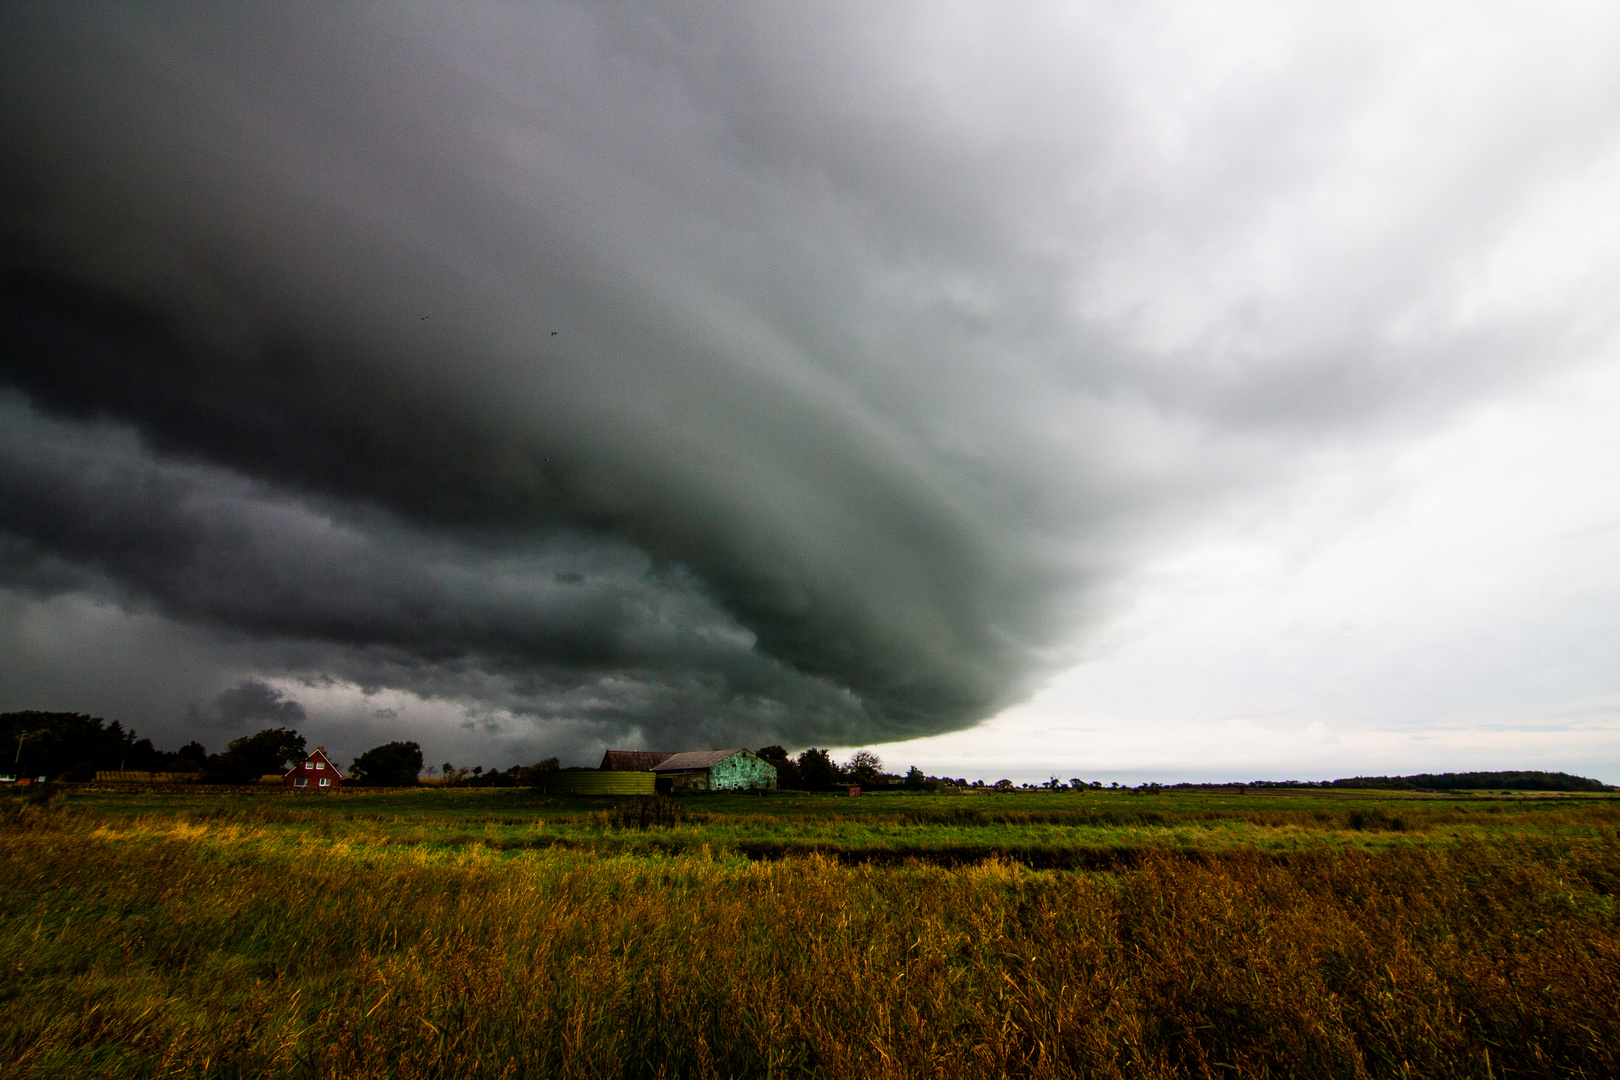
point(315, 771)
point(697, 770)
point(632, 760)
point(597, 782)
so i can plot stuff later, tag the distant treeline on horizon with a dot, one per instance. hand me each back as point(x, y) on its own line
point(1514, 780)
point(73, 746)
point(1510, 780)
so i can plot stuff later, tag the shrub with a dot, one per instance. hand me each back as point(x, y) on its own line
point(647, 812)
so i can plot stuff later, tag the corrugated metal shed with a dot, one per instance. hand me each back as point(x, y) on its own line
point(597, 782)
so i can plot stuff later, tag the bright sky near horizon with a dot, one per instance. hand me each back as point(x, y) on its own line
point(1452, 605)
point(1179, 391)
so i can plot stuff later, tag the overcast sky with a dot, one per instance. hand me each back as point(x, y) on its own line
point(1118, 391)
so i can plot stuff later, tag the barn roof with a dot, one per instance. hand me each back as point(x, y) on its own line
point(694, 759)
point(633, 760)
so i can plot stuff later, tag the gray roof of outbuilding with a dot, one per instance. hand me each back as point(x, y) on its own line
point(695, 759)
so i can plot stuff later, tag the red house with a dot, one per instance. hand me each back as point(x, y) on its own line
point(316, 771)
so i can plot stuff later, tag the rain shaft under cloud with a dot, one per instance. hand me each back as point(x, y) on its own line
point(718, 376)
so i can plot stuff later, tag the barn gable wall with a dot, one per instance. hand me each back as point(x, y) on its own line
point(742, 771)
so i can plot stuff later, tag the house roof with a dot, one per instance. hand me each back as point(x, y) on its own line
point(694, 760)
point(633, 760)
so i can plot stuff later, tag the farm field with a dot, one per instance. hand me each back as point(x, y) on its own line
point(497, 932)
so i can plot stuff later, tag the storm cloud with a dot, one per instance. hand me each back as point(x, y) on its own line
point(257, 704)
point(713, 375)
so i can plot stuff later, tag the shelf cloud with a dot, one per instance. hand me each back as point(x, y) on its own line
point(704, 376)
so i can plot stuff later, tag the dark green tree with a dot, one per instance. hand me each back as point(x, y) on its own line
point(864, 768)
point(536, 773)
point(244, 760)
point(395, 764)
point(72, 746)
point(915, 780)
point(817, 771)
point(787, 773)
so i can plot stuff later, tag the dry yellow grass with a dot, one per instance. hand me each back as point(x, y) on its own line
point(156, 947)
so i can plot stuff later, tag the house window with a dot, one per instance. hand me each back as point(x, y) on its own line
point(319, 765)
point(299, 781)
point(324, 781)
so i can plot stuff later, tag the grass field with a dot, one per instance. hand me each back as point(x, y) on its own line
point(450, 933)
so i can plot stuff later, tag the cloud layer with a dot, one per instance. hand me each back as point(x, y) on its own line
point(708, 374)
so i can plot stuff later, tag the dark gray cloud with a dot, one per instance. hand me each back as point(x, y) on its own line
point(557, 625)
point(255, 705)
point(688, 371)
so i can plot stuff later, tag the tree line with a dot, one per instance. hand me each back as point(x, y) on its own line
point(815, 770)
point(1512, 780)
point(74, 747)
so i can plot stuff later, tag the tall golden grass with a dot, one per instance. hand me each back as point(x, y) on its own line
point(164, 946)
